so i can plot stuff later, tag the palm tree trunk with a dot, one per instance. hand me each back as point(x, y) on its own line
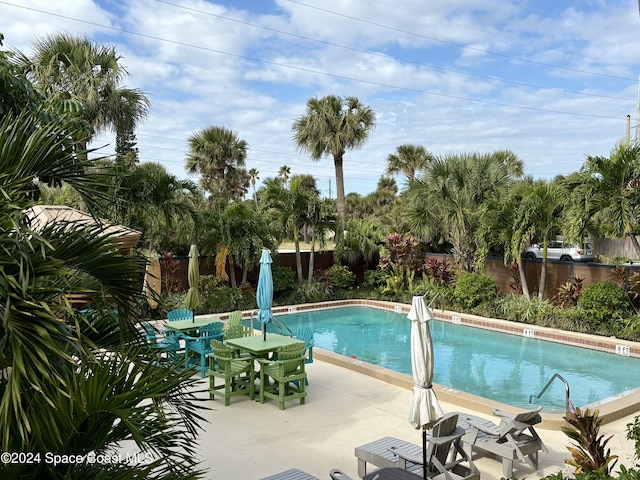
point(232, 272)
point(543, 271)
point(340, 203)
point(523, 281)
point(311, 259)
point(296, 241)
point(634, 242)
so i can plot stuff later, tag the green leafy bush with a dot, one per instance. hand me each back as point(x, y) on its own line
point(605, 303)
point(284, 279)
point(374, 279)
point(342, 277)
point(472, 289)
point(518, 308)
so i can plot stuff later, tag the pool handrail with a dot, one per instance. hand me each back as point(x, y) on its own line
point(275, 321)
point(566, 387)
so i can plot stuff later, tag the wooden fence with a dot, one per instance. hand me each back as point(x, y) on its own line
point(558, 272)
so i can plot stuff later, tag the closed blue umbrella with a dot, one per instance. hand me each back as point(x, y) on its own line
point(264, 293)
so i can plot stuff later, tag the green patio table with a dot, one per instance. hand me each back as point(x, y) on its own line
point(186, 326)
point(258, 346)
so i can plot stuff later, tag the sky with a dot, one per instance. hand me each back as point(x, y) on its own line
point(551, 80)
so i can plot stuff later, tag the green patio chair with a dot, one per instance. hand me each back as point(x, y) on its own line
point(197, 348)
point(288, 373)
point(169, 346)
point(238, 373)
point(235, 318)
point(306, 335)
point(239, 331)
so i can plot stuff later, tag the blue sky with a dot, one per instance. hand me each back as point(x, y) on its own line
point(552, 81)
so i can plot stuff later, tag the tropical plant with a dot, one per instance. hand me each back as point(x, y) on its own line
point(408, 159)
point(363, 242)
point(293, 207)
point(569, 293)
point(218, 155)
point(605, 303)
point(538, 214)
point(341, 277)
point(633, 433)
point(332, 125)
point(473, 289)
point(82, 79)
point(438, 270)
point(589, 450)
point(446, 202)
point(150, 199)
point(614, 196)
point(253, 178)
point(79, 384)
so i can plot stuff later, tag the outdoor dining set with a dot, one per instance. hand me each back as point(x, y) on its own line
point(234, 358)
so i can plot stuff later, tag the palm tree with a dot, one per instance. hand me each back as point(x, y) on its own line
point(291, 206)
point(538, 213)
point(235, 235)
point(83, 79)
point(445, 203)
point(216, 153)
point(408, 159)
point(284, 173)
point(331, 125)
point(71, 383)
point(614, 196)
point(321, 220)
point(154, 201)
point(253, 178)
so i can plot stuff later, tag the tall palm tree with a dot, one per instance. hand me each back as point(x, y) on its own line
point(253, 178)
point(216, 153)
point(408, 159)
point(69, 383)
point(331, 125)
point(83, 78)
point(284, 173)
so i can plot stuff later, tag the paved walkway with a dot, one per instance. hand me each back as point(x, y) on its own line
point(248, 440)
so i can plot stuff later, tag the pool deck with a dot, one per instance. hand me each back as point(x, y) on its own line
point(351, 403)
point(345, 408)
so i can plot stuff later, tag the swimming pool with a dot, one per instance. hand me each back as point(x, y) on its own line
point(502, 367)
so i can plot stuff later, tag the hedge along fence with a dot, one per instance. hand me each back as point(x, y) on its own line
point(558, 273)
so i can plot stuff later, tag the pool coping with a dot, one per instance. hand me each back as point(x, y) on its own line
point(610, 409)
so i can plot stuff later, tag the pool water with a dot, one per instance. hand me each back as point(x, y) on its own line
point(502, 367)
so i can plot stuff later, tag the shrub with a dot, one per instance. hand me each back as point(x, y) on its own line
point(374, 279)
point(569, 293)
point(605, 302)
point(518, 308)
point(342, 277)
point(439, 270)
point(589, 450)
point(472, 289)
point(284, 279)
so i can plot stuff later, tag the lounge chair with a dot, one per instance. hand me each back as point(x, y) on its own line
point(238, 373)
point(514, 438)
point(288, 373)
point(197, 348)
point(293, 474)
point(446, 459)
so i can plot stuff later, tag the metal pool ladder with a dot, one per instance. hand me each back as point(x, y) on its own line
point(566, 388)
point(275, 321)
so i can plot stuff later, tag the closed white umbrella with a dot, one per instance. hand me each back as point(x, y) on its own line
point(192, 298)
point(424, 409)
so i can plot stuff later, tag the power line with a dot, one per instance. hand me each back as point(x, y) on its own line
point(377, 54)
point(319, 72)
point(460, 45)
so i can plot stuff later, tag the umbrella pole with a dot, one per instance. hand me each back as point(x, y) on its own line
point(264, 332)
point(424, 453)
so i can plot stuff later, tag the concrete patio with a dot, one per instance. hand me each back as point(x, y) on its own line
point(248, 440)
